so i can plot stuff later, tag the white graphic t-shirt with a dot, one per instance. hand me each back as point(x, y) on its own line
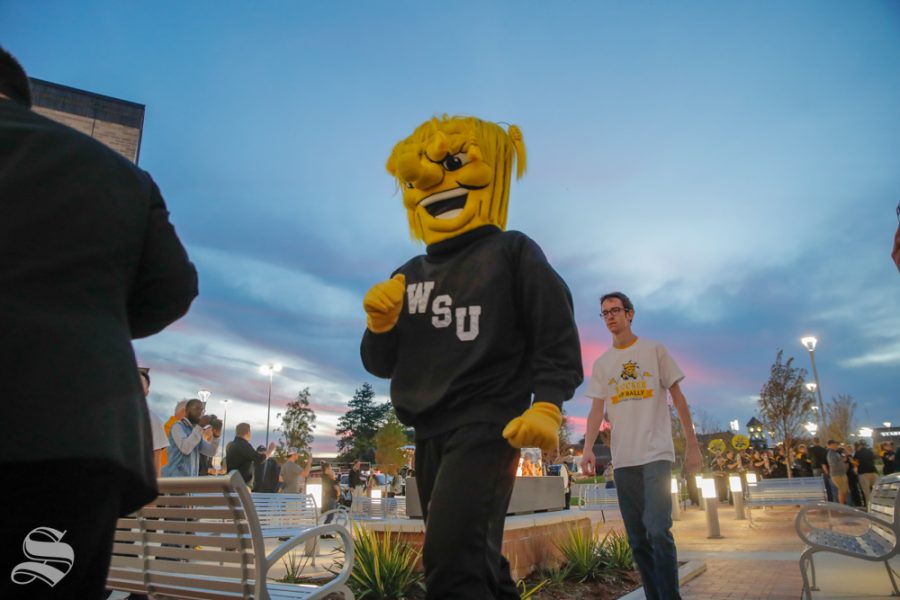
point(634, 381)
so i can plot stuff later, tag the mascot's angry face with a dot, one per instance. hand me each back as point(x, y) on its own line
point(455, 173)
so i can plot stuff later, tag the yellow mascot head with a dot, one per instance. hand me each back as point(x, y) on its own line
point(455, 174)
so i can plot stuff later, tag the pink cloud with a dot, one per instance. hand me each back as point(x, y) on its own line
point(577, 425)
point(591, 351)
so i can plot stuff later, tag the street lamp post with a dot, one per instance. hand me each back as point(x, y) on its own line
point(224, 420)
point(204, 395)
point(811, 387)
point(809, 343)
point(269, 370)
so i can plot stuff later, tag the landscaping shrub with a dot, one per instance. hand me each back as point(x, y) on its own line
point(383, 569)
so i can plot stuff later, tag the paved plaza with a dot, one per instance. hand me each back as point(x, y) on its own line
point(760, 562)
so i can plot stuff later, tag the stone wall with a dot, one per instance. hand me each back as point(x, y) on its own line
point(529, 541)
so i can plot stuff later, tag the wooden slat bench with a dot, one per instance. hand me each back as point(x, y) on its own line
point(285, 515)
point(598, 497)
point(201, 540)
point(365, 508)
point(831, 527)
point(784, 492)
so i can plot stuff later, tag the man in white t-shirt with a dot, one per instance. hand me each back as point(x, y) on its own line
point(159, 439)
point(629, 384)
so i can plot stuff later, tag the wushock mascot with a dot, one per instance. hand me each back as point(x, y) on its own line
point(479, 340)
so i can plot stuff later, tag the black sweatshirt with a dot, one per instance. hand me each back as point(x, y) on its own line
point(486, 323)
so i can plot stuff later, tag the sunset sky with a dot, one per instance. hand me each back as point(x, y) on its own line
point(732, 166)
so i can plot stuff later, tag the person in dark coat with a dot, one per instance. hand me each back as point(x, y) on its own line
point(240, 455)
point(88, 262)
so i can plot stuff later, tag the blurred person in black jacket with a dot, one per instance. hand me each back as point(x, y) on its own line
point(888, 458)
point(240, 455)
point(88, 262)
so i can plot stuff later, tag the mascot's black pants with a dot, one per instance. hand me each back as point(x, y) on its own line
point(465, 479)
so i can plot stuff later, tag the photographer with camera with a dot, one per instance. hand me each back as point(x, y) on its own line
point(186, 442)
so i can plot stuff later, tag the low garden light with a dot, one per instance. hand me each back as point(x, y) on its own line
point(698, 480)
point(713, 531)
point(676, 500)
point(315, 490)
point(737, 493)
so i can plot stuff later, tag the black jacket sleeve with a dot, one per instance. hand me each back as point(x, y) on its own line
point(379, 352)
point(549, 318)
point(166, 281)
point(237, 451)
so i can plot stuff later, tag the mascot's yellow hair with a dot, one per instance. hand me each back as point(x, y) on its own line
point(413, 159)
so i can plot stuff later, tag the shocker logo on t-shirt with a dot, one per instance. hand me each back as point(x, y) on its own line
point(629, 387)
point(629, 370)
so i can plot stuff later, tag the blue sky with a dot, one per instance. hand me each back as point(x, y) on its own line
point(733, 167)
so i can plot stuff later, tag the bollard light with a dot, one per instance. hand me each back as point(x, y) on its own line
point(676, 501)
point(708, 485)
point(698, 480)
point(712, 509)
point(376, 493)
point(315, 490)
point(737, 493)
point(751, 478)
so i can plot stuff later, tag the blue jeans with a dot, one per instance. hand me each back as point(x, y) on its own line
point(646, 504)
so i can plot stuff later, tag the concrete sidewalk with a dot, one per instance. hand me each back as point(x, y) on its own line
point(762, 562)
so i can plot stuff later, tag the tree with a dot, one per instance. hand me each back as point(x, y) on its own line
point(679, 440)
point(357, 427)
point(839, 418)
point(784, 402)
point(565, 432)
point(388, 441)
point(704, 422)
point(298, 422)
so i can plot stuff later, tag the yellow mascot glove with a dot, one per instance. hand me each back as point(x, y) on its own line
point(536, 427)
point(383, 303)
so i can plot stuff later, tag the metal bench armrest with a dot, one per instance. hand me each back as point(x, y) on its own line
point(341, 516)
point(313, 533)
point(834, 507)
point(802, 523)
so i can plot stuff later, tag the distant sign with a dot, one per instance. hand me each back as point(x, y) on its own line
point(885, 434)
point(117, 123)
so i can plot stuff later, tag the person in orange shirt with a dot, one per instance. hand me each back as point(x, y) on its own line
point(167, 426)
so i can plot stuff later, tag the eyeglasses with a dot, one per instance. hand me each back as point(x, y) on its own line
point(615, 310)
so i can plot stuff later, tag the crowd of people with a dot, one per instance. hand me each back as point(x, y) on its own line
point(185, 445)
point(849, 470)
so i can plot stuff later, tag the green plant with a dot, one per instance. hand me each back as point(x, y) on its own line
point(554, 575)
point(382, 569)
point(591, 479)
point(524, 592)
point(293, 568)
point(615, 552)
point(581, 553)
